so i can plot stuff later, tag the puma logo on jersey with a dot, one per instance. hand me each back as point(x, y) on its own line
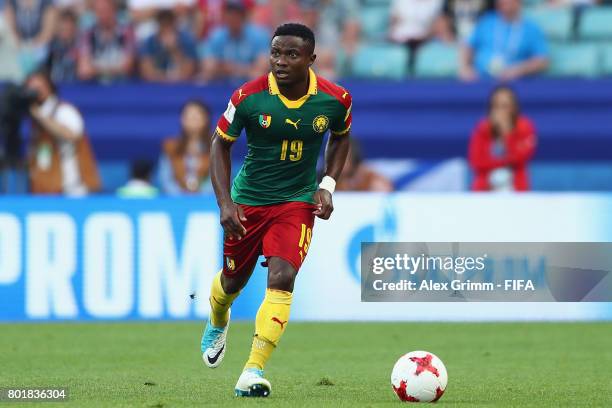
point(240, 94)
point(292, 123)
point(344, 94)
point(282, 324)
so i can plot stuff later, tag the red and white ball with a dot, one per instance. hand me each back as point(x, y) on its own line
point(419, 376)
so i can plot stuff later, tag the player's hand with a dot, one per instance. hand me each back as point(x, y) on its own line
point(232, 216)
point(324, 204)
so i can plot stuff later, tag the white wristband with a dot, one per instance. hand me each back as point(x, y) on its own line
point(328, 184)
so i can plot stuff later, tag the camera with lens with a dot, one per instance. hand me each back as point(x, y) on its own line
point(15, 101)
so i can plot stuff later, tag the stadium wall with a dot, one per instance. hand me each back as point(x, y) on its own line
point(424, 119)
point(111, 259)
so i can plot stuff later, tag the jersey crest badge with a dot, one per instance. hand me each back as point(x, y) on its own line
point(265, 120)
point(320, 123)
point(231, 265)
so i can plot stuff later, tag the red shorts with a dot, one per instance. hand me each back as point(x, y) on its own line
point(282, 230)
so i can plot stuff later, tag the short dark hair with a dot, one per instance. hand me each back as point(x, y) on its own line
point(43, 73)
point(141, 169)
point(296, 30)
point(165, 17)
point(235, 5)
point(68, 14)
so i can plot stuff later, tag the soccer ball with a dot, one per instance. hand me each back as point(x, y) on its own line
point(419, 376)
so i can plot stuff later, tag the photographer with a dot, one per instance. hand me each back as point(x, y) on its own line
point(60, 159)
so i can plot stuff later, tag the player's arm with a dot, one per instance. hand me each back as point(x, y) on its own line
point(335, 156)
point(228, 129)
point(220, 174)
point(336, 152)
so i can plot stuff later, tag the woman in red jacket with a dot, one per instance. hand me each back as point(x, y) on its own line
point(501, 145)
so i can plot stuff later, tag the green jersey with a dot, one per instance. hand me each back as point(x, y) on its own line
point(284, 137)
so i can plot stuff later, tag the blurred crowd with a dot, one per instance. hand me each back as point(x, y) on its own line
point(108, 41)
point(60, 159)
point(205, 40)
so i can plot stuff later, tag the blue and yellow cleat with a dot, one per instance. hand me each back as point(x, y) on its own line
point(252, 384)
point(213, 344)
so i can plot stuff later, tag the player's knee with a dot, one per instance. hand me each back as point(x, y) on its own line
point(281, 276)
point(280, 281)
point(231, 285)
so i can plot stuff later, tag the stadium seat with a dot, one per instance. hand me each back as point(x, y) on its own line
point(381, 61)
point(577, 60)
point(606, 54)
point(596, 24)
point(374, 23)
point(437, 60)
point(532, 3)
point(379, 3)
point(555, 22)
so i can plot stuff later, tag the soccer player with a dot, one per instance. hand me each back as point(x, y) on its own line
point(274, 198)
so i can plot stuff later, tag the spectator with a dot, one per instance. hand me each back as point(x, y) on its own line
point(336, 26)
point(237, 50)
point(32, 23)
point(462, 15)
point(504, 45)
point(76, 6)
point(107, 50)
point(144, 14)
point(210, 15)
point(412, 22)
point(60, 157)
point(356, 176)
point(501, 145)
point(10, 69)
point(442, 30)
point(185, 159)
point(139, 185)
point(170, 55)
point(63, 52)
point(273, 13)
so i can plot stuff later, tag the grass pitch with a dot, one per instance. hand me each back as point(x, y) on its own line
point(317, 364)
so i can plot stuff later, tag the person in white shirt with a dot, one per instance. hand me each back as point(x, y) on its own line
point(412, 22)
point(61, 160)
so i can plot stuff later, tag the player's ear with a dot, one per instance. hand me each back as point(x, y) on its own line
point(313, 57)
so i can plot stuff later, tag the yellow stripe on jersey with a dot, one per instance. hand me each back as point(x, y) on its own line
point(348, 111)
point(225, 136)
point(342, 132)
point(312, 90)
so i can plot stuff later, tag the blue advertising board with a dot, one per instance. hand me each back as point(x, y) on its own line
point(110, 259)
